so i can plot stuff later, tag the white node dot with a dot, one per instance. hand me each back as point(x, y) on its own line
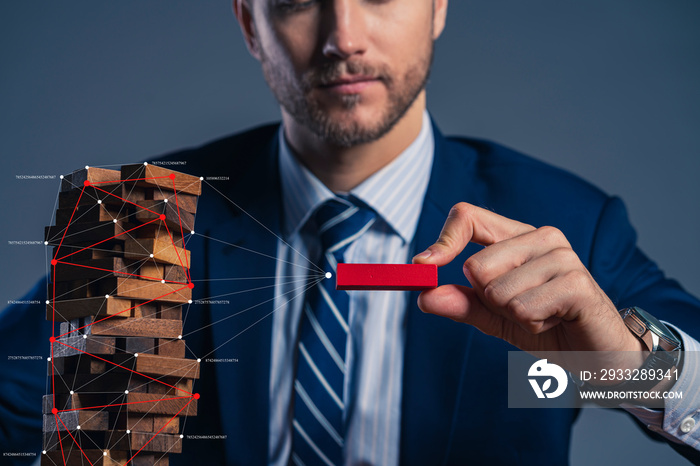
point(165, 200)
point(87, 166)
point(145, 163)
point(104, 454)
point(128, 431)
point(191, 233)
point(106, 296)
point(115, 220)
point(189, 301)
point(136, 355)
point(43, 452)
point(179, 337)
point(60, 176)
point(78, 427)
point(49, 358)
point(199, 360)
point(85, 337)
point(201, 178)
point(151, 256)
point(182, 436)
point(162, 281)
point(329, 275)
point(72, 392)
point(46, 243)
point(126, 392)
point(99, 201)
point(48, 302)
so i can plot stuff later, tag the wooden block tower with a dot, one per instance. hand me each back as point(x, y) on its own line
point(119, 379)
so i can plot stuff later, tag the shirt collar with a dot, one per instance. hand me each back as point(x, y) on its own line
point(395, 192)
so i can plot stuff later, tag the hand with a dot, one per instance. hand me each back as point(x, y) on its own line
point(529, 287)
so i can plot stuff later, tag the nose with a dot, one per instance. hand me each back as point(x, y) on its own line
point(346, 29)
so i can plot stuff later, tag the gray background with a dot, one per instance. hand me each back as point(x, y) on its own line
point(605, 88)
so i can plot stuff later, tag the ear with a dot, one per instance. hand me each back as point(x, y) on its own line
point(243, 13)
point(439, 17)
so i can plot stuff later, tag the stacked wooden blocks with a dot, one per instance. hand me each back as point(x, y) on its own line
point(119, 380)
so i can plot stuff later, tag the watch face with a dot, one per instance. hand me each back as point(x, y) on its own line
point(655, 325)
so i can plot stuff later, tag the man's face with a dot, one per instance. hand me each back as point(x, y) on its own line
point(345, 69)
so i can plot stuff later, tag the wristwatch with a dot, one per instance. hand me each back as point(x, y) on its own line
point(664, 348)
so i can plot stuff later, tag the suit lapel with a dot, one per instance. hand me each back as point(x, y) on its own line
point(436, 350)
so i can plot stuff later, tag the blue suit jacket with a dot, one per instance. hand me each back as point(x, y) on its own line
point(454, 403)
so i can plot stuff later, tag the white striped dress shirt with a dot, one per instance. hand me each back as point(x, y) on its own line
point(376, 319)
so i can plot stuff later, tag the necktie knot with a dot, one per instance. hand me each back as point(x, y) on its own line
point(341, 221)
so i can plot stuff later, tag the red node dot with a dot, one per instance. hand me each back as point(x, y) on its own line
point(190, 285)
point(162, 216)
point(54, 262)
point(86, 183)
point(52, 339)
point(172, 176)
point(196, 396)
point(54, 411)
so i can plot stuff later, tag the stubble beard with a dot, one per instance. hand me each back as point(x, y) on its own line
point(294, 95)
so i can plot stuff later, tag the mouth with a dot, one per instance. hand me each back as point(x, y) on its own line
point(353, 84)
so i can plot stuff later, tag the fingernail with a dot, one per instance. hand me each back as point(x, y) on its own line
point(424, 255)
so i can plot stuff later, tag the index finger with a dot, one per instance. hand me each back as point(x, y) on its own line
point(466, 223)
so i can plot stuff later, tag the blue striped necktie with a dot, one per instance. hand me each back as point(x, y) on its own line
point(318, 426)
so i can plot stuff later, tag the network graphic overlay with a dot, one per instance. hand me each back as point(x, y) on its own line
point(119, 274)
point(120, 387)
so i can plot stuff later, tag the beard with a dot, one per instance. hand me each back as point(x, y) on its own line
point(296, 97)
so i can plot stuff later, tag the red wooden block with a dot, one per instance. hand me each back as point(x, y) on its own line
point(386, 277)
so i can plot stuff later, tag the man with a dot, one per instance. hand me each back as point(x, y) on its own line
point(350, 77)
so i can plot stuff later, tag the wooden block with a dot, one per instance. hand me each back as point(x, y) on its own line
point(82, 364)
point(163, 251)
point(100, 176)
point(91, 270)
point(120, 196)
point(88, 343)
point(86, 419)
point(110, 383)
point(170, 312)
point(144, 441)
point(72, 290)
point(167, 423)
point(66, 401)
point(82, 252)
point(140, 345)
point(158, 232)
point(171, 348)
point(145, 290)
point(51, 441)
point(178, 387)
point(74, 457)
point(139, 422)
point(136, 327)
point(182, 221)
point(155, 365)
point(151, 269)
point(160, 404)
point(183, 201)
point(91, 233)
point(98, 306)
point(89, 214)
point(386, 276)
point(147, 309)
point(160, 177)
point(175, 273)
